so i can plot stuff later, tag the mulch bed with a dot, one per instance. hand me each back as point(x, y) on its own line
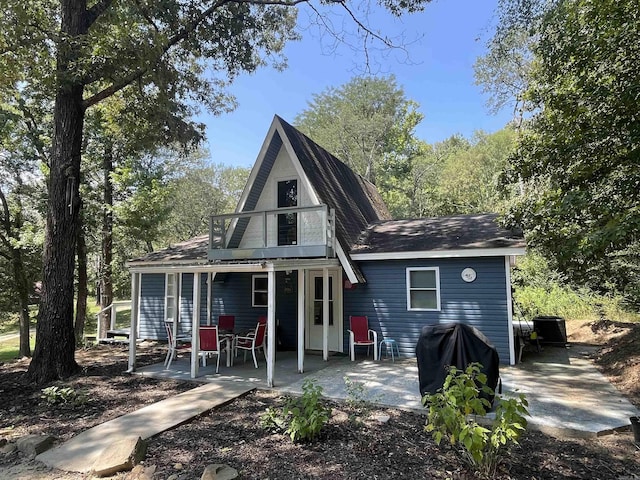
point(232, 435)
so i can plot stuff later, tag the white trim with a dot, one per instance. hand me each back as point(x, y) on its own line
point(195, 325)
point(301, 318)
point(507, 274)
point(175, 296)
point(136, 281)
point(471, 252)
point(254, 291)
point(260, 266)
point(271, 327)
point(409, 288)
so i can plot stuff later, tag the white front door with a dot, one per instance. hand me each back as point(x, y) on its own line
point(314, 315)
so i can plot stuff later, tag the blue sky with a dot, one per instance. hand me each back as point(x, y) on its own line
point(445, 41)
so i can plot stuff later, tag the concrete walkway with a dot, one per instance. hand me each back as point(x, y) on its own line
point(80, 453)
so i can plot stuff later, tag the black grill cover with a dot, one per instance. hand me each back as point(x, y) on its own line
point(453, 344)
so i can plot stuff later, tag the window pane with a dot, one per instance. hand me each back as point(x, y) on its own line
point(170, 311)
point(424, 299)
point(260, 299)
point(260, 283)
point(423, 279)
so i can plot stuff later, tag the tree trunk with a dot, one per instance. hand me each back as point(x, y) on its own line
point(23, 290)
point(83, 290)
point(54, 355)
point(106, 283)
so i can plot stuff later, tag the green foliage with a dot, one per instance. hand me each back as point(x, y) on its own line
point(577, 161)
point(301, 418)
point(458, 176)
point(452, 412)
point(55, 395)
point(369, 124)
point(541, 290)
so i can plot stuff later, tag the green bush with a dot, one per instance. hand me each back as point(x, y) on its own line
point(452, 412)
point(63, 395)
point(301, 418)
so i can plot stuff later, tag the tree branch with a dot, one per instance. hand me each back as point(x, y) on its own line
point(182, 34)
point(98, 9)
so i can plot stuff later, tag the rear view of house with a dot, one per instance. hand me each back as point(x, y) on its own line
point(311, 244)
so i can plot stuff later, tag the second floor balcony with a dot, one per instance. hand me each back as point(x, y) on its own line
point(293, 232)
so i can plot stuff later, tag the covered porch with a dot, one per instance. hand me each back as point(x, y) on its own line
point(310, 333)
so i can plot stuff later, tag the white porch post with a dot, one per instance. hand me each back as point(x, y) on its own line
point(133, 333)
point(271, 326)
point(301, 323)
point(325, 314)
point(507, 274)
point(195, 325)
point(209, 282)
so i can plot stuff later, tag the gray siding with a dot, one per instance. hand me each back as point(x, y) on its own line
point(482, 303)
point(152, 306)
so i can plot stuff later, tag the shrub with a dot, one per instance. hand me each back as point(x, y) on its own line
point(57, 395)
point(452, 412)
point(301, 418)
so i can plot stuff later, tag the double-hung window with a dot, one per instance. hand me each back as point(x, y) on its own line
point(423, 288)
point(259, 290)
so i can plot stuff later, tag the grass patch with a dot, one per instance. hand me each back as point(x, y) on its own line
point(9, 348)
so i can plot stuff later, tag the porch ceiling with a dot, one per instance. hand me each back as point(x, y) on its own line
point(237, 266)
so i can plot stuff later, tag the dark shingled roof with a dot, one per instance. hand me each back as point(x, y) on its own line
point(356, 201)
point(189, 250)
point(457, 232)
point(363, 222)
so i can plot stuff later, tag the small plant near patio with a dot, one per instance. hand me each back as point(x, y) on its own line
point(302, 418)
point(63, 396)
point(452, 416)
point(357, 399)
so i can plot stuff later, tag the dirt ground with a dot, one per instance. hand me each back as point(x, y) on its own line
point(348, 448)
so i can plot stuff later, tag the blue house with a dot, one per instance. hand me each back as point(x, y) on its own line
point(306, 224)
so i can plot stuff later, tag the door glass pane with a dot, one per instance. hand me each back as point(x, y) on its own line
point(317, 301)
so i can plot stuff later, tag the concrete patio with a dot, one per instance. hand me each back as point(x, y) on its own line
point(566, 393)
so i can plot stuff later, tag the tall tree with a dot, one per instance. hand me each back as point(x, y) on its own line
point(162, 47)
point(578, 161)
point(368, 123)
point(21, 148)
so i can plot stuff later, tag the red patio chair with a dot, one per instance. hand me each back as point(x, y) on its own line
point(210, 344)
point(360, 334)
point(180, 343)
point(226, 323)
point(252, 342)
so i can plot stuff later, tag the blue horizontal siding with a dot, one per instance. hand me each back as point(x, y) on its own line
point(482, 303)
point(152, 306)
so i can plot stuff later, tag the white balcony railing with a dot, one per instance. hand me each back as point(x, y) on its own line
point(301, 232)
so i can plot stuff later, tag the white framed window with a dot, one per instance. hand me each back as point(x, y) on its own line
point(423, 288)
point(259, 290)
point(170, 297)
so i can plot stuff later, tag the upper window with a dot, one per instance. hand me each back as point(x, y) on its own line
point(423, 288)
point(288, 222)
point(259, 291)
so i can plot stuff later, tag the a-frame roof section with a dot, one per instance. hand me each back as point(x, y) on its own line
point(356, 201)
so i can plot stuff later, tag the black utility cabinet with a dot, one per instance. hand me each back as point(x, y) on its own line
point(551, 330)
